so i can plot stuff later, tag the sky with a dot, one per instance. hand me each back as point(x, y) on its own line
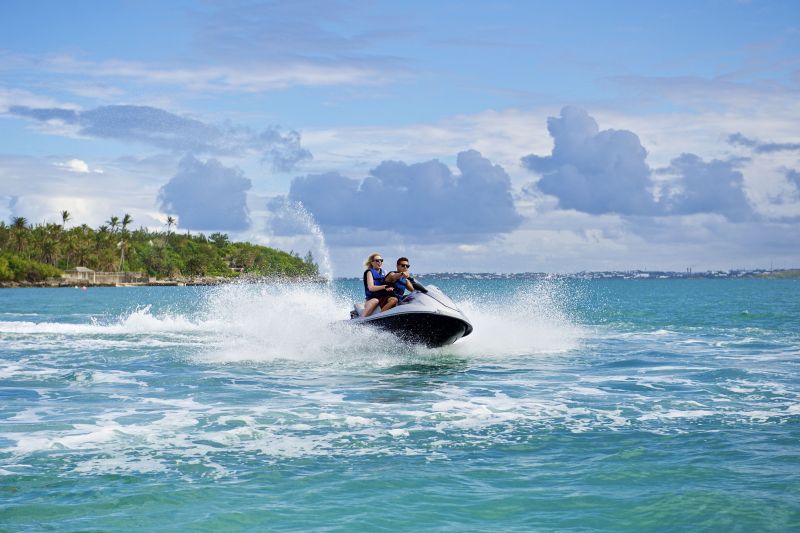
point(511, 136)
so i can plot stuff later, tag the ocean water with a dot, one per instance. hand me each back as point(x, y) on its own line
point(670, 405)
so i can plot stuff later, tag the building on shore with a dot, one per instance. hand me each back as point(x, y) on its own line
point(80, 274)
point(85, 275)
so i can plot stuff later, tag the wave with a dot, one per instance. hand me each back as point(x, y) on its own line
point(140, 320)
point(536, 321)
point(272, 321)
point(295, 322)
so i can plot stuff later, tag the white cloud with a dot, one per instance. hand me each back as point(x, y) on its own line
point(10, 97)
point(79, 166)
point(41, 190)
point(505, 136)
point(549, 240)
point(501, 136)
point(91, 210)
point(166, 130)
point(236, 77)
point(471, 248)
point(76, 165)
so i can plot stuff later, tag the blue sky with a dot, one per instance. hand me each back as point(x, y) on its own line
point(511, 136)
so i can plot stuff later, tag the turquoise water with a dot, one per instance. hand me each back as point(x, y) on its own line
point(575, 406)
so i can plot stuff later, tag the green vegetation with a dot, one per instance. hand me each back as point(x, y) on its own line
point(35, 252)
point(782, 274)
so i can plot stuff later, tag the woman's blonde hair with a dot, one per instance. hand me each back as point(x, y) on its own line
point(373, 255)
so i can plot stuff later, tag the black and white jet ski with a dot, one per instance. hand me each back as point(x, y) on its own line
point(424, 316)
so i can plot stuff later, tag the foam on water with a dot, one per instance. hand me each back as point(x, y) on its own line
point(323, 254)
point(265, 322)
point(622, 407)
point(307, 322)
point(528, 323)
point(294, 215)
point(274, 321)
point(304, 324)
point(138, 321)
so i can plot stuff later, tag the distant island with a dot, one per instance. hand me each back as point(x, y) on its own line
point(788, 273)
point(50, 254)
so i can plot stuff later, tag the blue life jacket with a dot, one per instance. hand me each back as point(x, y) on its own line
point(399, 286)
point(377, 279)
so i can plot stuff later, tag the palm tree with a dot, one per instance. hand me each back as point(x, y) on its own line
point(170, 222)
point(83, 246)
point(219, 239)
point(19, 223)
point(49, 247)
point(65, 217)
point(101, 245)
point(126, 221)
point(122, 245)
point(113, 222)
point(19, 227)
point(70, 247)
point(5, 234)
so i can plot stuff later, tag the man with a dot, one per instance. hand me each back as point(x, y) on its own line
point(401, 279)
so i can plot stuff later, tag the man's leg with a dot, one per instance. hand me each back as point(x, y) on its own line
point(389, 304)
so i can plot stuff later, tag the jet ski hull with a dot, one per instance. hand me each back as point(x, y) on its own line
point(429, 318)
point(430, 329)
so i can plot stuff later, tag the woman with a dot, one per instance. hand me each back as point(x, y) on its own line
point(378, 292)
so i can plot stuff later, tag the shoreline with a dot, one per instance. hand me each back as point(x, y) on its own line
point(53, 283)
point(178, 282)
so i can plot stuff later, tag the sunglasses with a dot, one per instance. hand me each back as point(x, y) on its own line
point(377, 260)
point(404, 265)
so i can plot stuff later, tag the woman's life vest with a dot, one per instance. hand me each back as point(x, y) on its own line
point(377, 279)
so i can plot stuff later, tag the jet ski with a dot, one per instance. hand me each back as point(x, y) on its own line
point(425, 316)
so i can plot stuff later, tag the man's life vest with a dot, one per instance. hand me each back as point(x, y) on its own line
point(399, 285)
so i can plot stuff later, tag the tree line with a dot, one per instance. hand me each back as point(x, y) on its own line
point(34, 252)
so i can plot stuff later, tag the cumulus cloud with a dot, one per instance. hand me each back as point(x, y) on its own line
point(594, 171)
point(794, 177)
point(169, 131)
point(708, 187)
point(418, 201)
point(207, 196)
point(737, 139)
point(789, 196)
point(600, 172)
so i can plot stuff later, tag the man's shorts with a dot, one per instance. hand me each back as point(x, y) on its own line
point(383, 297)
